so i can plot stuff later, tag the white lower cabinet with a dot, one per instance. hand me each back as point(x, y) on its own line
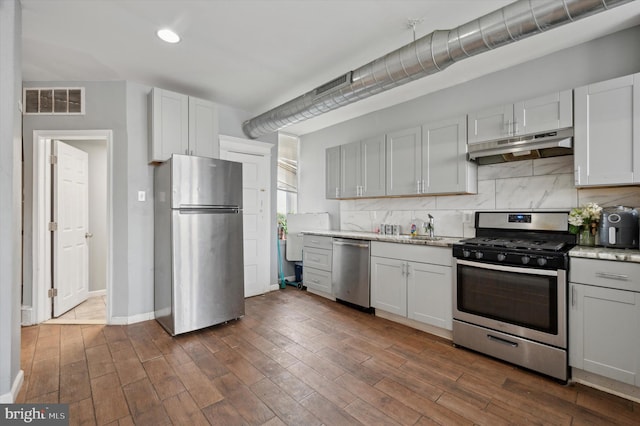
point(604, 314)
point(317, 254)
point(412, 281)
point(429, 294)
point(389, 285)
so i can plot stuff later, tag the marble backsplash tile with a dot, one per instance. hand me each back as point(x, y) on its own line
point(619, 196)
point(542, 184)
point(536, 192)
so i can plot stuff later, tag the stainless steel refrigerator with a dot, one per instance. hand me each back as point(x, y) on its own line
point(199, 268)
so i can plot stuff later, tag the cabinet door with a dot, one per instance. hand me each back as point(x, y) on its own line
point(203, 128)
point(429, 294)
point(349, 169)
point(603, 335)
point(169, 124)
point(372, 167)
point(490, 123)
point(607, 132)
point(332, 173)
point(316, 279)
point(445, 168)
point(549, 112)
point(389, 285)
point(404, 162)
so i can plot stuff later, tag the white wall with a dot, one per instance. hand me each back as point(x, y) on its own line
point(97, 151)
point(10, 198)
point(611, 56)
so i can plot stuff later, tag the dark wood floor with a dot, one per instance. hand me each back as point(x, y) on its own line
point(295, 359)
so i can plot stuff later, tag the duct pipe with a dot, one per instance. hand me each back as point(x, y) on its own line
point(428, 55)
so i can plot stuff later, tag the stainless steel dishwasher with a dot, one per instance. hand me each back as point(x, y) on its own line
point(350, 271)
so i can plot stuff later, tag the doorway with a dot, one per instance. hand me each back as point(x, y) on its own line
point(97, 144)
point(255, 157)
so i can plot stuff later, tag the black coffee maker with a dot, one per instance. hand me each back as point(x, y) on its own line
point(618, 227)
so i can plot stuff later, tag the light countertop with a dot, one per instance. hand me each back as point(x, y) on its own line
point(401, 239)
point(604, 253)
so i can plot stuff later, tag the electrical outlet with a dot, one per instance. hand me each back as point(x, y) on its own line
point(142, 196)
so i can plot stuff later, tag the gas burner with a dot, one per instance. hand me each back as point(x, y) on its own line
point(516, 243)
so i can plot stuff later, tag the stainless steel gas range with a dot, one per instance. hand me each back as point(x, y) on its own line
point(510, 289)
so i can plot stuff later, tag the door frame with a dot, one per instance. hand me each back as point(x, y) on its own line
point(253, 147)
point(41, 244)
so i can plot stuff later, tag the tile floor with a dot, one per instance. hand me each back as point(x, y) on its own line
point(91, 311)
point(293, 359)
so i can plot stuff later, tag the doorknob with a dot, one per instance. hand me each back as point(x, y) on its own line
point(88, 235)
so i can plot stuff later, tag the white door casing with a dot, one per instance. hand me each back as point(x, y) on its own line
point(71, 216)
point(256, 184)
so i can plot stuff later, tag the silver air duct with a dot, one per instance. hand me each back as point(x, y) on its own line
point(428, 55)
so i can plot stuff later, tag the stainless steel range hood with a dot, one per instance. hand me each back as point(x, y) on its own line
point(526, 147)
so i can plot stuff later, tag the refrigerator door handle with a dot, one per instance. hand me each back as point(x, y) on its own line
point(209, 210)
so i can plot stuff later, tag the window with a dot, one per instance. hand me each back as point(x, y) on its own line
point(287, 174)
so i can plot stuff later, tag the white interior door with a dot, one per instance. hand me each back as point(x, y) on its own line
point(256, 200)
point(70, 213)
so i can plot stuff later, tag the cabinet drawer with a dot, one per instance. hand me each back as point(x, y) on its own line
point(317, 279)
point(317, 241)
point(606, 273)
point(316, 258)
point(413, 253)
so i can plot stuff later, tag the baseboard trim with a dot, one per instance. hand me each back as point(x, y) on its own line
point(98, 293)
point(132, 319)
point(27, 315)
point(427, 328)
point(10, 397)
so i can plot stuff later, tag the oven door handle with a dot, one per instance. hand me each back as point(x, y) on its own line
point(502, 341)
point(531, 271)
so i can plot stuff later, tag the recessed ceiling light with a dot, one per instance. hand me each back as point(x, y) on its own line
point(167, 35)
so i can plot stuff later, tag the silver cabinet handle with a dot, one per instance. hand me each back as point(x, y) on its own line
point(610, 276)
point(576, 176)
point(402, 269)
point(408, 269)
point(88, 235)
point(573, 295)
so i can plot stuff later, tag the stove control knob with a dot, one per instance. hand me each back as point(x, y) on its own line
point(479, 255)
point(466, 253)
point(501, 256)
point(542, 261)
point(525, 259)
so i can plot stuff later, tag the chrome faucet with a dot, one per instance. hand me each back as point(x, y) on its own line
point(431, 227)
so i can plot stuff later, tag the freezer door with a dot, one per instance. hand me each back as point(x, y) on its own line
point(201, 181)
point(208, 272)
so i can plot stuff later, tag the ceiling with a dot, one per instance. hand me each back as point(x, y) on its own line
point(254, 55)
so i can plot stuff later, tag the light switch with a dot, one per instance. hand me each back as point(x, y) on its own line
point(142, 196)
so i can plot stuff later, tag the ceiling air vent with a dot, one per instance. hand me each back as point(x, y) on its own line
point(53, 100)
point(343, 80)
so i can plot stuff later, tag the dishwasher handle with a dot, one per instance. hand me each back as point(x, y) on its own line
point(351, 243)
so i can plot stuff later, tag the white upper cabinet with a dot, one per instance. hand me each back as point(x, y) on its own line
point(607, 132)
point(544, 113)
point(362, 168)
point(490, 123)
point(540, 114)
point(332, 172)
point(203, 128)
point(404, 150)
point(431, 159)
point(182, 125)
point(445, 169)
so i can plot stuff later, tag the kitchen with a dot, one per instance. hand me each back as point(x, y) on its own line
point(496, 190)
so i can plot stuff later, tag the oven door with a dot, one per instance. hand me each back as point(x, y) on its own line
point(525, 302)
